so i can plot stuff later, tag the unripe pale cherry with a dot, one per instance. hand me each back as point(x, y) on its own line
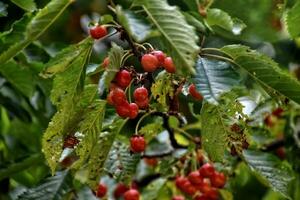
point(123, 78)
point(169, 65)
point(149, 62)
point(132, 194)
point(98, 32)
point(137, 143)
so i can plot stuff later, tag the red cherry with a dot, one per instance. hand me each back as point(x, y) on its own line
point(212, 194)
point(270, 120)
point(140, 94)
point(169, 65)
point(277, 112)
point(98, 32)
point(178, 198)
point(123, 110)
point(132, 194)
point(180, 181)
point(218, 180)
point(137, 143)
point(118, 96)
point(120, 190)
point(207, 170)
point(109, 98)
point(123, 78)
point(195, 178)
point(188, 188)
point(201, 197)
point(101, 190)
point(160, 56)
point(134, 110)
point(143, 104)
point(105, 62)
point(151, 161)
point(194, 93)
point(149, 62)
point(204, 186)
point(281, 153)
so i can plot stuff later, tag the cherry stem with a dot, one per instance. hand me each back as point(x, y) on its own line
point(140, 120)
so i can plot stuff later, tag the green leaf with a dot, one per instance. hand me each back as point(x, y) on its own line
point(163, 89)
point(152, 190)
point(115, 61)
point(89, 129)
point(269, 170)
point(265, 71)
point(214, 132)
point(151, 130)
point(20, 77)
point(101, 148)
point(3, 9)
point(134, 24)
point(28, 5)
point(37, 26)
point(120, 163)
point(53, 188)
point(293, 20)
point(64, 58)
point(178, 36)
point(213, 78)
point(217, 17)
point(195, 22)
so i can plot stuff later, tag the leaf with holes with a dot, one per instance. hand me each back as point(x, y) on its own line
point(178, 36)
point(265, 71)
point(270, 170)
point(214, 78)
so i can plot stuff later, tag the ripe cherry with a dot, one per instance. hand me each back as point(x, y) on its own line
point(160, 56)
point(218, 180)
point(132, 194)
point(169, 65)
point(194, 93)
point(101, 190)
point(120, 190)
point(281, 153)
point(178, 198)
point(195, 178)
point(188, 188)
point(151, 161)
point(149, 62)
point(212, 194)
point(137, 144)
point(143, 104)
point(277, 112)
point(123, 109)
point(201, 197)
point(134, 110)
point(140, 94)
point(204, 186)
point(123, 78)
point(118, 96)
point(105, 62)
point(98, 32)
point(207, 170)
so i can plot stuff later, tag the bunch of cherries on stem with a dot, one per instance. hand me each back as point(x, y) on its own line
point(121, 190)
point(202, 184)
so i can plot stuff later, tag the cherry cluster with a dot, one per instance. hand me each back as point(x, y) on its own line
point(155, 59)
point(202, 184)
point(121, 190)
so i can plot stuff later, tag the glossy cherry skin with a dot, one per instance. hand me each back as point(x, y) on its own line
point(169, 65)
point(123, 78)
point(207, 170)
point(218, 180)
point(118, 96)
point(194, 93)
point(195, 178)
point(140, 94)
point(120, 190)
point(101, 190)
point(123, 109)
point(134, 110)
point(160, 56)
point(137, 144)
point(149, 62)
point(98, 32)
point(132, 194)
